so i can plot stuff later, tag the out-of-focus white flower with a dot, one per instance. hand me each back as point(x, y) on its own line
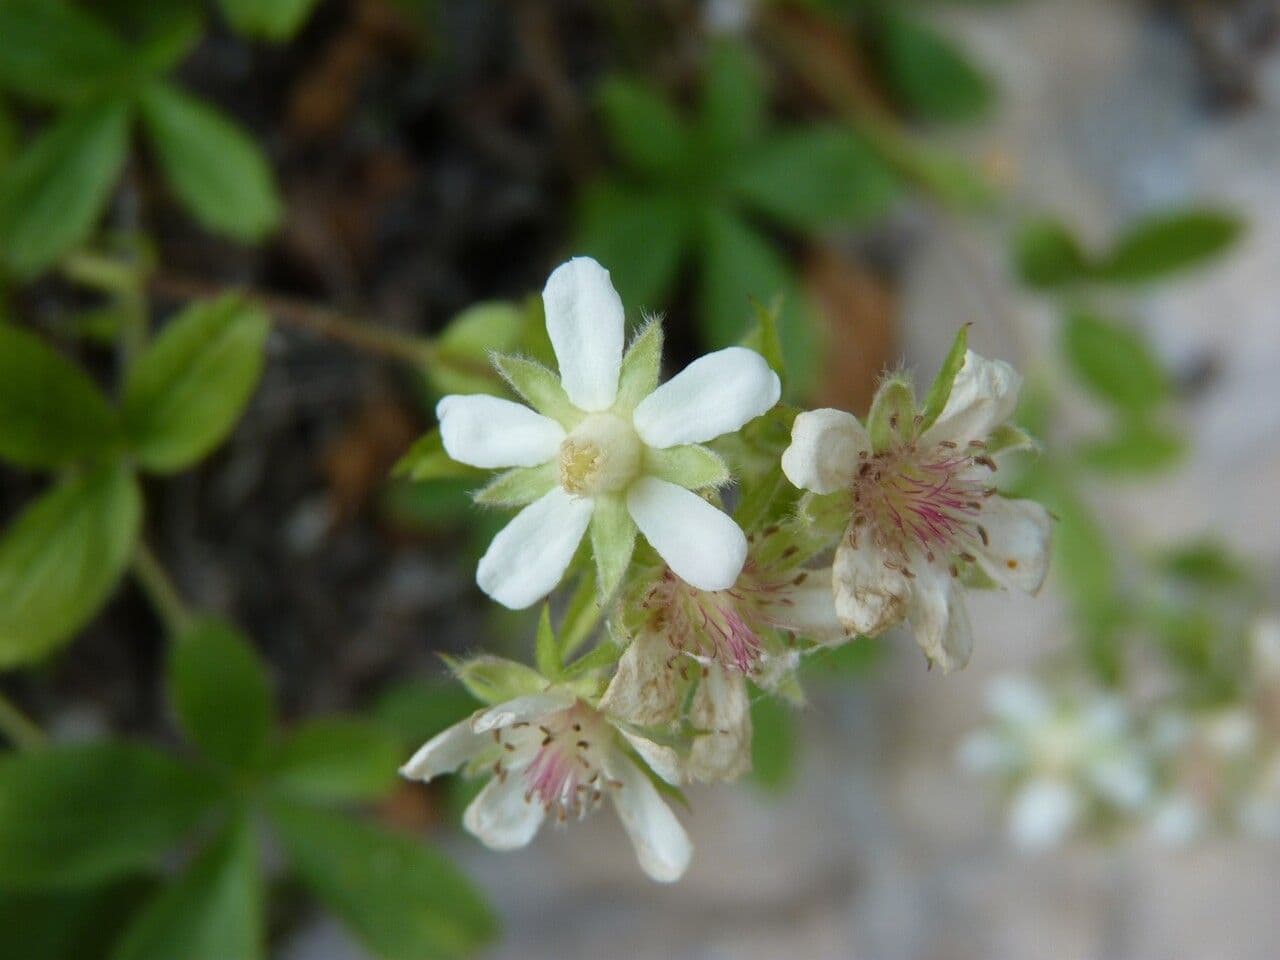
point(551, 753)
point(606, 448)
point(1064, 758)
point(924, 512)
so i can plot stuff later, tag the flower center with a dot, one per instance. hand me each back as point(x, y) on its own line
point(914, 502)
point(568, 748)
point(723, 625)
point(601, 455)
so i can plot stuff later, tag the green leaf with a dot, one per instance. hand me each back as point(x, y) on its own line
point(78, 815)
point(613, 539)
point(546, 648)
point(336, 760)
point(1165, 244)
point(691, 466)
point(69, 924)
point(1206, 564)
point(733, 100)
point(270, 19)
point(639, 234)
point(815, 177)
point(927, 72)
point(1114, 362)
point(220, 691)
point(496, 679)
point(186, 392)
point(56, 52)
point(642, 126)
point(52, 195)
point(399, 896)
point(1136, 448)
point(539, 387)
point(459, 360)
point(641, 366)
point(61, 559)
point(893, 411)
point(212, 165)
point(773, 742)
point(214, 911)
point(935, 400)
point(51, 414)
point(1047, 255)
point(519, 486)
point(426, 460)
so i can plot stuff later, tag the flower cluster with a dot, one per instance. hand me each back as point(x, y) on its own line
point(841, 529)
point(1090, 763)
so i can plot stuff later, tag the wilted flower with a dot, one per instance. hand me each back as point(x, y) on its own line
point(710, 642)
point(606, 448)
point(551, 753)
point(922, 512)
point(1064, 759)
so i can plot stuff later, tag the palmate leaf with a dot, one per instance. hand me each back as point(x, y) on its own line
point(645, 130)
point(213, 911)
point(335, 760)
point(186, 392)
point(733, 105)
point(77, 815)
point(57, 52)
point(52, 195)
point(1114, 362)
point(211, 163)
point(221, 693)
point(930, 74)
point(61, 558)
point(640, 233)
point(270, 19)
point(401, 898)
point(51, 413)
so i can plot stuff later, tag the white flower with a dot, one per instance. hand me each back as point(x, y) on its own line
point(924, 512)
point(552, 753)
point(710, 642)
point(1064, 759)
point(605, 449)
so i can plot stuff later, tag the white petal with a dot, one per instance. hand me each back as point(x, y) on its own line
point(939, 618)
point(445, 752)
point(986, 752)
point(487, 432)
point(643, 689)
point(1018, 701)
point(824, 450)
point(1041, 813)
point(701, 544)
point(869, 597)
point(532, 706)
point(585, 321)
point(714, 395)
point(531, 553)
point(1019, 534)
point(1123, 778)
point(664, 761)
point(809, 609)
point(983, 396)
point(720, 706)
point(500, 817)
point(661, 845)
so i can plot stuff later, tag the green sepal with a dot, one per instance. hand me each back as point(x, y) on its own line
point(641, 367)
point(603, 655)
point(763, 336)
point(826, 513)
point(546, 648)
point(893, 412)
point(690, 465)
point(427, 460)
point(493, 679)
point(940, 390)
point(613, 538)
point(539, 387)
point(515, 488)
point(1008, 438)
